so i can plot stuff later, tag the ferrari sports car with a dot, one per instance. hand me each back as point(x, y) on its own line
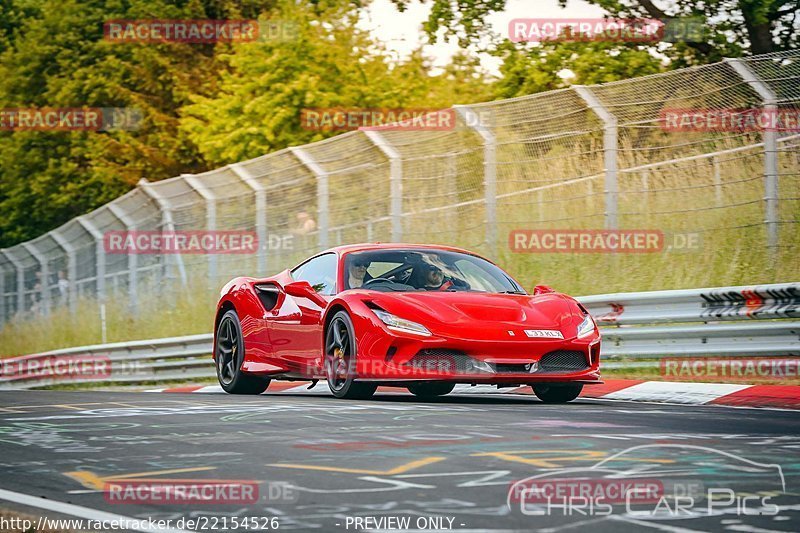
point(422, 317)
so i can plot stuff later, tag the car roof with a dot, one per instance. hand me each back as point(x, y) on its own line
point(392, 246)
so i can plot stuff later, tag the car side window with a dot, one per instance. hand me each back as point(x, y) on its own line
point(320, 272)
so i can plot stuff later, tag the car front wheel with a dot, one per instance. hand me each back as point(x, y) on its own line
point(340, 360)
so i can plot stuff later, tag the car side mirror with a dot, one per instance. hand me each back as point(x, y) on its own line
point(542, 289)
point(303, 289)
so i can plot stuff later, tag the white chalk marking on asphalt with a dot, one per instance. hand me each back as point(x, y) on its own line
point(466, 388)
point(77, 510)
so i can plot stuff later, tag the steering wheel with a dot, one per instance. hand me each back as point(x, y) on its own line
point(373, 280)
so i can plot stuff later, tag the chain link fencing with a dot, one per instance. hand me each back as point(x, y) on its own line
point(586, 157)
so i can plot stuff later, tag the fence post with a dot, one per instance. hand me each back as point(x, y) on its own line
point(609, 153)
point(100, 255)
point(3, 313)
point(261, 212)
point(323, 194)
point(395, 182)
point(133, 258)
point(20, 270)
point(717, 181)
point(474, 122)
point(44, 290)
point(211, 221)
point(769, 100)
point(167, 222)
point(72, 268)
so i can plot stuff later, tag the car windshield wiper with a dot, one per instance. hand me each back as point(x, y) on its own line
point(512, 292)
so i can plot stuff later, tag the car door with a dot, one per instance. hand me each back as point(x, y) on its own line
point(296, 333)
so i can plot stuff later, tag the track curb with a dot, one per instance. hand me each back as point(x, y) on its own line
point(724, 394)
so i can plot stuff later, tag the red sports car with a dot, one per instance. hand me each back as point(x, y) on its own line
point(422, 317)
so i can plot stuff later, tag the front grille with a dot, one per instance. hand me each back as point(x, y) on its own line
point(503, 368)
point(441, 360)
point(457, 362)
point(562, 361)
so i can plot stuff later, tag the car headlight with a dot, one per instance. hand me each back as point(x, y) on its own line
point(401, 324)
point(586, 327)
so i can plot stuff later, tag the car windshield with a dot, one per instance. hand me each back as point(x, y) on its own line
point(425, 270)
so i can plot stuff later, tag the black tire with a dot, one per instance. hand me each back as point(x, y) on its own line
point(430, 389)
point(340, 360)
point(229, 356)
point(557, 393)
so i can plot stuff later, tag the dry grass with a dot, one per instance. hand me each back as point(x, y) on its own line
point(683, 198)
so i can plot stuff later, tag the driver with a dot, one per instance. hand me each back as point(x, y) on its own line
point(433, 278)
point(356, 273)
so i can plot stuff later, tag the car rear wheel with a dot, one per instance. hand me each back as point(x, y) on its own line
point(557, 393)
point(431, 389)
point(229, 355)
point(340, 360)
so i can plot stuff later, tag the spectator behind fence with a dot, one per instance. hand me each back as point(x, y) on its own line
point(305, 224)
point(63, 286)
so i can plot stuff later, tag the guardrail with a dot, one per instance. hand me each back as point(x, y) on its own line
point(748, 320)
point(756, 320)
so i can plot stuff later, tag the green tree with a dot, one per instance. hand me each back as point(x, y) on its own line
point(733, 27)
point(328, 63)
point(52, 54)
point(528, 69)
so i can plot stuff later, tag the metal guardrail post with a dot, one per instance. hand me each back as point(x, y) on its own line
point(474, 122)
point(395, 182)
point(72, 268)
point(3, 314)
point(44, 272)
point(100, 255)
point(261, 212)
point(770, 100)
point(20, 271)
point(167, 222)
point(610, 139)
point(717, 181)
point(211, 220)
point(133, 258)
point(4, 310)
point(323, 194)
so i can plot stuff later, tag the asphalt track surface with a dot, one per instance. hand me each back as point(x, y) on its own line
point(322, 463)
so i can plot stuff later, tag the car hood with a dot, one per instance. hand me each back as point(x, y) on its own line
point(462, 310)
